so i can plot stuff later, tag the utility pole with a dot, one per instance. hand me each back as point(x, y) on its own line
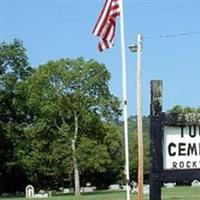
point(138, 48)
point(139, 119)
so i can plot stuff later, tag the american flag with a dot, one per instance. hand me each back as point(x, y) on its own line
point(106, 24)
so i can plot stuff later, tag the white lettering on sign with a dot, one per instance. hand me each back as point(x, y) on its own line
point(181, 147)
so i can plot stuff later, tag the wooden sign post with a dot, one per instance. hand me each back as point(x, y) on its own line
point(175, 144)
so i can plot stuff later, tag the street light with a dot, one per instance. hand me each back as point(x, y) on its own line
point(133, 48)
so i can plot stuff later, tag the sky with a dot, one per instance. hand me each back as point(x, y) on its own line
point(54, 29)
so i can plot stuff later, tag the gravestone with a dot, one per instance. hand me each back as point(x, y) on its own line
point(134, 189)
point(114, 187)
point(66, 191)
point(50, 194)
point(30, 191)
point(5, 194)
point(195, 183)
point(42, 192)
point(88, 184)
point(123, 187)
point(88, 189)
point(146, 189)
point(169, 185)
point(134, 184)
point(41, 195)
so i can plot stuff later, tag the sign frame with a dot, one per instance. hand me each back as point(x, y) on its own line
point(159, 119)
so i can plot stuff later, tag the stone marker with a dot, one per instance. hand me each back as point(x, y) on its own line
point(66, 191)
point(195, 183)
point(146, 189)
point(88, 184)
point(29, 191)
point(41, 195)
point(123, 187)
point(114, 187)
point(49, 193)
point(169, 185)
point(134, 189)
point(88, 189)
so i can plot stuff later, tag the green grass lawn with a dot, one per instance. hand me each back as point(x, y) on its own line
point(181, 193)
point(177, 193)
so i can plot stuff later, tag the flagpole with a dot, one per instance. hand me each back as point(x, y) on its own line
point(140, 195)
point(125, 107)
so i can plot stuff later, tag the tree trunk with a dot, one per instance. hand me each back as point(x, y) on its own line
point(76, 179)
point(76, 169)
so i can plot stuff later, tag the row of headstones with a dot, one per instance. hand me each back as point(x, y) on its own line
point(134, 189)
point(195, 183)
point(146, 188)
point(31, 194)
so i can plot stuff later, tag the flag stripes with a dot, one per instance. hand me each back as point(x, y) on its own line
point(106, 24)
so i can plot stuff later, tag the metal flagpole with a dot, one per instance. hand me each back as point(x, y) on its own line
point(139, 118)
point(125, 108)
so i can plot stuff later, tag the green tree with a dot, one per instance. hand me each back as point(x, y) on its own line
point(14, 69)
point(114, 172)
point(133, 147)
point(71, 101)
point(181, 109)
point(134, 156)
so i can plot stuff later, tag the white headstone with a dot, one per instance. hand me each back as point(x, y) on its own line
point(42, 192)
point(88, 189)
point(134, 184)
point(66, 191)
point(88, 184)
point(123, 187)
point(134, 189)
point(30, 191)
point(195, 183)
point(146, 189)
point(169, 185)
point(41, 195)
point(114, 187)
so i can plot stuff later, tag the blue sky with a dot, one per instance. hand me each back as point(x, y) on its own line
point(53, 29)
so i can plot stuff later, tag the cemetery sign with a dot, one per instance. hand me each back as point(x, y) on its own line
point(175, 145)
point(181, 147)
